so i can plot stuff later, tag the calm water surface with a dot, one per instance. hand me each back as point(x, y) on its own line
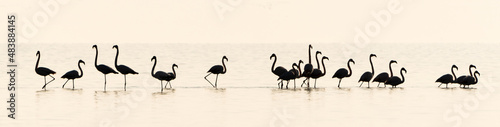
point(248, 95)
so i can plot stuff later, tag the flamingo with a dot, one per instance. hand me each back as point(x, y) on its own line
point(160, 75)
point(43, 71)
point(367, 76)
point(171, 75)
point(102, 68)
point(122, 68)
point(343, 73)
point(395, 80)
point(217, 69)
point(73, 74)
point(447, 78)
point(278, 71)
point(471, 80)
point(297, 73)
point(382, 77)
point(308, 68)
point(309, 75)
point(460, 79)
point(317, 72)
point(291, 74)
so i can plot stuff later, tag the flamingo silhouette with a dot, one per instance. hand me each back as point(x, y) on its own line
point(43, 71)
point(471, 80)
point(382, 77)
point(343, 73)
point(447, 78)
point(73, 74)
point(171, 75)
point(291, 74)
point(163, 76)
point(308, 68)
point(297, 72)
point(317, 72)
point(217, 69)
point(278, 71)
point(367, 76)
point(309, 75)
point(460, 79)
point(160, 75)
point(102, 68)
point(122, 68)
point(394, 81)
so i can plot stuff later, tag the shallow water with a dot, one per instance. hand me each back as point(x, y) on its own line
point(248, 94)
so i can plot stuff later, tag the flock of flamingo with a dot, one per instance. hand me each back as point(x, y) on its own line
point(125, 70)
point(341, 73)
point(283, 74)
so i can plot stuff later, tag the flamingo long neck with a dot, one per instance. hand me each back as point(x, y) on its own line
point(475, 77)
point(470, 70)
point(272, 67)
point(298, 67)
point(309, 55)
point(453, 73)
point(80, 69)
point(390, 68)
point(153, 69)
point(324, 68)
point(349, 67)
point(173, 70)
point(224, 66)
point(402, 76)
point(116, 57)
point(317, 61)
point(38, 60)
point(371, 63)
point(95, 61)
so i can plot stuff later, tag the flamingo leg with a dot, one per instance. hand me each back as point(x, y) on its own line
point(361, 84)
point(165, 85)
point(208, 80)
point(440, 85)
point(45, 81)
point(281, 86)
point(368, 84)
point(303, 82)
point(73, 84)
point(125, 85)
point(216, 78)
point(378, 84)
point(52, 79)
point(281, 82)
point(161, 82)
point(315, 83)
point(170, 84)
point(340, 80)
point(293, 83)
point(287, 82)
point(104, 82)
point(308, 79)
point(65, 83)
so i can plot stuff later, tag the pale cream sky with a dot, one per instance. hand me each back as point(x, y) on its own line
point(249, 21)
